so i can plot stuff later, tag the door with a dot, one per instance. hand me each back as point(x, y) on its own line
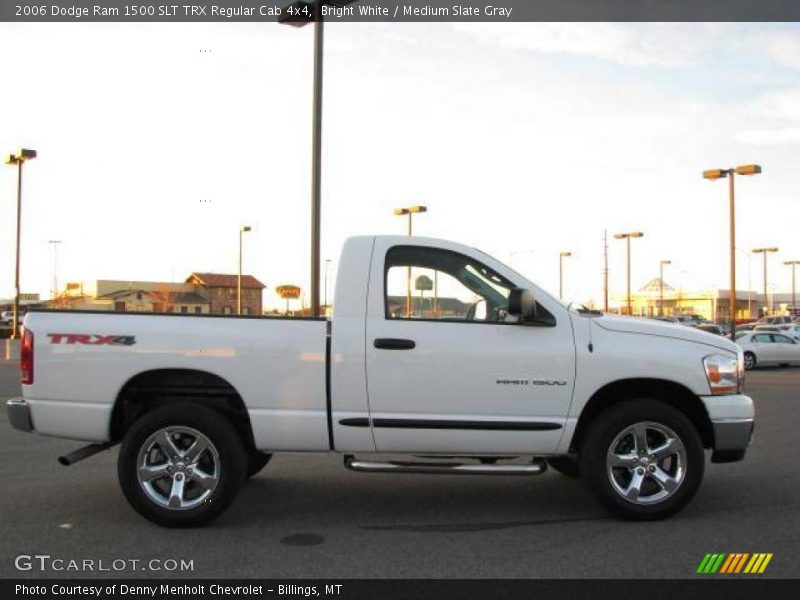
point(448, 369)
point(787, 351)
point(766, 350)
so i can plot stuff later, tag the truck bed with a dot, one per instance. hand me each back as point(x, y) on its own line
point(84, 360)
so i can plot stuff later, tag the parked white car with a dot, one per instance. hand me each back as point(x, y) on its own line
point(792, 330)
point(765, 348)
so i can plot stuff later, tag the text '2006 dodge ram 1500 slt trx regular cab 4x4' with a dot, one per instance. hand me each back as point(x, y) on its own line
point(483, 374)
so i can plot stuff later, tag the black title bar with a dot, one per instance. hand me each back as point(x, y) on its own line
point(401, 11)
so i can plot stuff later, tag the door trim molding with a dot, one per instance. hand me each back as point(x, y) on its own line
point(452, 424)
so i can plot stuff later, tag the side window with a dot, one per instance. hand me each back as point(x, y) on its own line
point(762, 338)
point(434, 284)
point(780, 339)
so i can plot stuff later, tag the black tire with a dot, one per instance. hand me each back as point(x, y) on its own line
point(566, 465)
point(604, 482)
point(749, 361)
point(257, 461)
point(224, 459)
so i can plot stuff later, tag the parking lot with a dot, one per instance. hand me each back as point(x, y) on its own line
point(307, 517)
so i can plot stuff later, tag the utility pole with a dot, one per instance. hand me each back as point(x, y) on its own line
point(765, 252)
point(661, 285)
point(605, 270)
point(627, 237)
point(55, 244)
point(793, 264)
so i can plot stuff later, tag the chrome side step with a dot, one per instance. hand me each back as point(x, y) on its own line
point(536, 467)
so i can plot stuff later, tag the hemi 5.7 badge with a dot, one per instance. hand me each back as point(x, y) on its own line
point(92, 339)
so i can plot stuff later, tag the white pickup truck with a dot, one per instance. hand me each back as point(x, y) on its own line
point(438, 359)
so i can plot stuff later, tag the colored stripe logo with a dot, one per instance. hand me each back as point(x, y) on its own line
point(734, 563)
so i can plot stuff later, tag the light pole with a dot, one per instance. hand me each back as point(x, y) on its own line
point(298, 14)
point(661, 285)
point(713, 174)
point(793, 264)
point(243, 229)
point(327, 267)
point(55, 244)
point(18, 159)
point(561, 257)
point(627, 237)
point(410, 211)
point(765, 252)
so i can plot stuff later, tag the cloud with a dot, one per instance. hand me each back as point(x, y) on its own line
point(784, 48)
point(781, 104)
point(655, 44)
point(769, 137)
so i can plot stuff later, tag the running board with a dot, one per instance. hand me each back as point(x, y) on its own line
point(536, 467)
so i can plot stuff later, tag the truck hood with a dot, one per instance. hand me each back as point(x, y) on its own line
point(664, 329)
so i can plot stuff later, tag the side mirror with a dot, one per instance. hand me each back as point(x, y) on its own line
point(522, 304)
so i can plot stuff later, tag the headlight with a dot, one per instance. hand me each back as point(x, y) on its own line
point(723, 374)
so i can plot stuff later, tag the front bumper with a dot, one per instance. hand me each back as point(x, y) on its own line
point(733, 421)
point(19, 414)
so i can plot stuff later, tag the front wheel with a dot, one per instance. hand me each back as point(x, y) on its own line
point(749, 360)
point(181, 465)
point(642, 460)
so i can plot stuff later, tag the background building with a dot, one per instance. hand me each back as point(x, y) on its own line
point(201, 293)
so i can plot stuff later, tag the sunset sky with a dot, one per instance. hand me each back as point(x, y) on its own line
point(157, 141)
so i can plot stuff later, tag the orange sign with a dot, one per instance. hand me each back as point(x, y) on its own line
point(288, 291)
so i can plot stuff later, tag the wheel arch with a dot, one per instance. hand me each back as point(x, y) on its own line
point(662, 390)
point(151, 389)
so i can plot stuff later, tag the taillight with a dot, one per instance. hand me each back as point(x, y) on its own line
point(26, 356)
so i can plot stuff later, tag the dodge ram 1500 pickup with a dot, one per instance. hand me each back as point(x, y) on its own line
point(437, 359)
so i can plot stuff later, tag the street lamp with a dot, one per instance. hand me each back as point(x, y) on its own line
point(243, 229)
point(793, 264)
point(627, 237)
point(765, 251)
point(18, 159)
point(298, 14)
point(561, 273)
point(714, 174)
point(410, 211)
point(661, 285)
point(55, 244)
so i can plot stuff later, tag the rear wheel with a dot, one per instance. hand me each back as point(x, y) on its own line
point(749, 360)
point(181, 465)
point(642, 459)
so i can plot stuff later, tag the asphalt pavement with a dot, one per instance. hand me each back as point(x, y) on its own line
point(305, 516)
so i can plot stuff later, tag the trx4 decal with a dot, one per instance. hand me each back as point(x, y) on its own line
point(92, 339)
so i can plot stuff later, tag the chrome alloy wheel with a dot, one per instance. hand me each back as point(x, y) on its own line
point(178, 467)
point(646, 463)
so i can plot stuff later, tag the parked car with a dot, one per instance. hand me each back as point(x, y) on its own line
point(507, 383)
point(775, 320)
point(685, 320)
point(667, 319)
point(792, 330)
point(7, 317)
point(711, 328)
point(765, 348)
